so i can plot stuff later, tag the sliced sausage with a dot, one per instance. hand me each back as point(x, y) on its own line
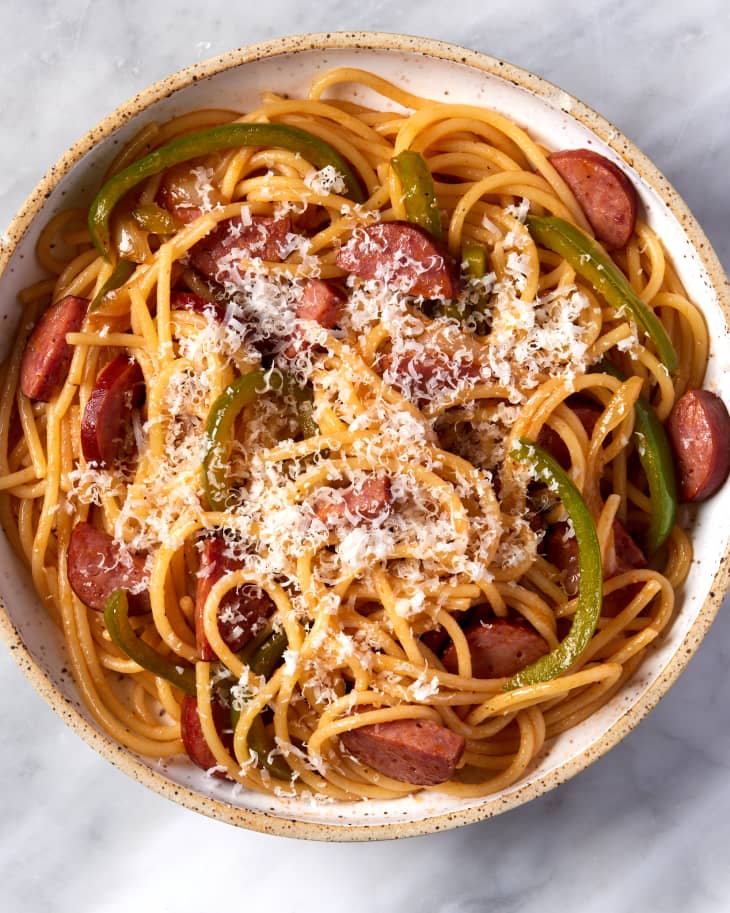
point(119, 389)
point(587, 413)
point(242, 609)
point(423, 376)
point(192, 733)
point(498, 648)
point(606, 195)
point(312, 220)
point(322, 302)
point(189, 301)
point(404, 256)
point(699, 430)
point(98, 565)
point(47, 356)
point(625, 556)
point(366, 500)
point(185, 192)
point(217, 255)
point(421, 752)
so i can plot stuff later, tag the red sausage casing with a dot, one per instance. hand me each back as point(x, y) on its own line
point(47, 357)
point(606, 195)
point(192, 733)
point(699, 429)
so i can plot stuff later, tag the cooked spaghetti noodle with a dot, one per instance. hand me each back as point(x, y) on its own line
point(366, 602)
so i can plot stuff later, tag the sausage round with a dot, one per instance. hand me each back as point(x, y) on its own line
point(421, 752)
point(625, 556)
point(47, 356)
point(699, 430)
point(403, 255)
point(217, 255)
point(241, 609)
point(606, 195)
point(366, 500)
point(193, 739)
point(98, 565)
point(118, 389)
point(498, 648)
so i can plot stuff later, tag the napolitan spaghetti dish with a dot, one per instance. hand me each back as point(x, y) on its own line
point(345, 445)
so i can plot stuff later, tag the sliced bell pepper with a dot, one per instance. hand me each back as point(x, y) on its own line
point(116, 617)
point(655, 455)
point(121, 272)
point(263, 662)
point(591, 262)
point(474, 259)
point(590, 597)
point(222, 418)
point(227, 136)
point(155, 219)
point(419, 194)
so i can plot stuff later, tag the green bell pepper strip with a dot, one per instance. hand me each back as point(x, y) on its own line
point(216, 139)
point(121, 272)
point(268, 656)
point(116, 617)
point(263, 662)
point(155, 219)
point(590, 597)
point(222, 418)
point(590, 261)
point(419, 194)
point(655, 456)
point(474, 258)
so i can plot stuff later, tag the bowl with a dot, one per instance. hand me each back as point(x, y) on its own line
point(553, 117)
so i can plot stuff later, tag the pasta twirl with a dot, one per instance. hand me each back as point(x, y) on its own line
point(272, 500)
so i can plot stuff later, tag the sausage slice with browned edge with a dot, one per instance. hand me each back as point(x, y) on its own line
point(241, 611)
point(498, 648)
point(699, 429)
point(217, 255)
point(119, 389)
point(366, 500)
point(47, 356)
point(404, 256)
point(606, 195)
point(192, 735)
point(98, 565)
point(421, 752)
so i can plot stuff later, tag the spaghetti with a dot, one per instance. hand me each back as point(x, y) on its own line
point(322, 478)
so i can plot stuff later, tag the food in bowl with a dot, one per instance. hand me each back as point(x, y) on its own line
point(345, 447)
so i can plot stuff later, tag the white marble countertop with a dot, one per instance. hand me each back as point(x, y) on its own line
point(648, 826)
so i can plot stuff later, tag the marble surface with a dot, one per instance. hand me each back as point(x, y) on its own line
point(648, 826)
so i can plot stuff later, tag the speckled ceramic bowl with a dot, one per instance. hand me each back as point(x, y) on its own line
point(439, 71)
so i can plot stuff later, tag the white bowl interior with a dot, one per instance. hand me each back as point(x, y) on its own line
point(546, 114)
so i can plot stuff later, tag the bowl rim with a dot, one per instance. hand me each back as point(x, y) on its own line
point(263, 821)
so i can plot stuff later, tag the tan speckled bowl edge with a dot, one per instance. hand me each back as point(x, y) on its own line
point(261, 821)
